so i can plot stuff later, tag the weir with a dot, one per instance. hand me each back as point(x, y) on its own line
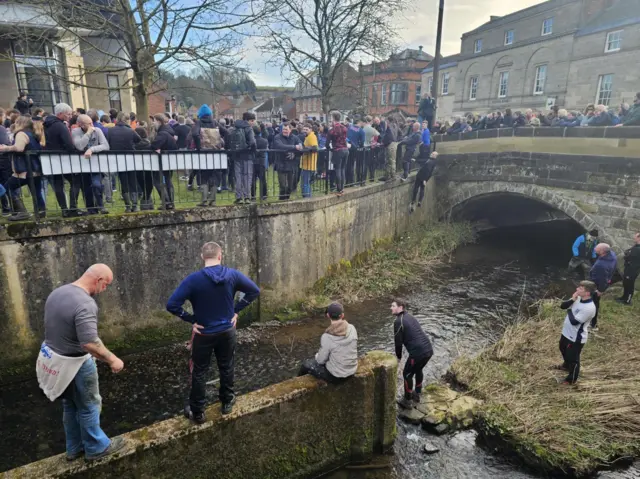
point(295, 429)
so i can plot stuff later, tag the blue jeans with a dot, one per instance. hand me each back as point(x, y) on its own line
point(81, 403)
point(2, 190)
point(306, 183)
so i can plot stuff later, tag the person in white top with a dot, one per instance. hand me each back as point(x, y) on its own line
point(580, 311)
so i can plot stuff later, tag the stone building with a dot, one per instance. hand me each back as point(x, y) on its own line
point(448, 75)
point(561, 52)
point(394, 84)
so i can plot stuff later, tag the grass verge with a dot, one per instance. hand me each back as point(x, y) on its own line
point(576, 430)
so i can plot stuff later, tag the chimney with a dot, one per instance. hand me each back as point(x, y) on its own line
point(420, 47)
point(494, 17)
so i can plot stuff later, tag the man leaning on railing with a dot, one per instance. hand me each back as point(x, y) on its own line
point(89, 139)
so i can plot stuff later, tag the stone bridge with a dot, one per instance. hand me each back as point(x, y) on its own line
point(510, 177)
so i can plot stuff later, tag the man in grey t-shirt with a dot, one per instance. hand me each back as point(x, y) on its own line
point(71, 329)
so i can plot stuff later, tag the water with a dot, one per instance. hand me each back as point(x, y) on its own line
point(463, 308)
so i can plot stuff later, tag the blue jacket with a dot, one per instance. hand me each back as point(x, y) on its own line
point(426, 137)
point(602, 270)
point(355, 136)
point(579, 247)
point(211, 292)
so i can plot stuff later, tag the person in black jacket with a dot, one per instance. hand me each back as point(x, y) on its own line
point(5, 165)
point(423, 176)
point(287, 157)
point(24, 104)
point(164, 141)
point(427, 109)
point(631, 271)
point(58, 138)
point(260, 162)
point(408, 333)
point(122, 138)
point(410, 143)
point(182, 131)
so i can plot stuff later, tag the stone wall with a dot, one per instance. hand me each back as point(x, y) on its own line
point(284, 247)
point(318, 427)
point(595, 191)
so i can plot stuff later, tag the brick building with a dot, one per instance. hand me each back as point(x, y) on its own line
point(394, 84)
point(561, 52)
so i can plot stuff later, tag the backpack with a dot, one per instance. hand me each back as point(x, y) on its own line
point(236, 139)
point(210, 139)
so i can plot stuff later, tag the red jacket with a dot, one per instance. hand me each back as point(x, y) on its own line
point(338, 137)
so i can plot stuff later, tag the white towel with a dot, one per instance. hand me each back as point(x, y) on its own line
point(55, 372)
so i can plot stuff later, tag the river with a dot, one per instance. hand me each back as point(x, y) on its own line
point(463, 308)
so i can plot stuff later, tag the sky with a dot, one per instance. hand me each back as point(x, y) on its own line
point(420, 29)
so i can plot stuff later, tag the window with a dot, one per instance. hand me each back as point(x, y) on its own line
point(374, 96)
point(41, 72)
point(614, 40)
point(503, 88)
point(113, 83)
point(477, 47)
point(605, 87)
point(508, 37)
point(547, 26)
point(383, 95)
point(541, 78)
point(418, 92)
point(445, 83)
point(430, 85)
point(399, 93)
point(473, 88)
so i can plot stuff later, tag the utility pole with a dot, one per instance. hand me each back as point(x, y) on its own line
point(436, 61)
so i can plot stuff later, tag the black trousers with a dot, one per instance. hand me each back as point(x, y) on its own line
point(413, 367)
point(285, 180)
point(5, 173)
point(350, 167)
point(361, 171)
point(628, 283)
point(596, 302)
point(311, 366)
point(57, 181)
point(259, 173)
point(418, 186)
point(571, 355)
point(223, 345)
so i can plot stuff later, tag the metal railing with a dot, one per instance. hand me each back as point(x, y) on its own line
point(54, 183)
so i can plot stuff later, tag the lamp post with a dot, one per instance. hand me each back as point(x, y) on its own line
point(436, 61)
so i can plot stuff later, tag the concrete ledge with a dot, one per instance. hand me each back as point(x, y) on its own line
point(544, 132)
point(293, 429)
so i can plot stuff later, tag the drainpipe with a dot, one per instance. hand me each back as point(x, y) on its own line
point(436, 61)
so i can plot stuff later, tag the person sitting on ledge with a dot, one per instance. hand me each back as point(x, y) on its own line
point(337, 358)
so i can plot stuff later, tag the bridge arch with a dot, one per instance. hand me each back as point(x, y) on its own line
point(464, 196)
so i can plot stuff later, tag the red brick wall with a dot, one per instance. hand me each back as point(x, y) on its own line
point(373, 105)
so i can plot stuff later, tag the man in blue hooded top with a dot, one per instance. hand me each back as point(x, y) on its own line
point(211, 292)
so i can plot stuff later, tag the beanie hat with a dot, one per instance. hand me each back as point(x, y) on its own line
point(204, 111)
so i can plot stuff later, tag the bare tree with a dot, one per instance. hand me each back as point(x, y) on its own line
point(136, 38)
point(318, 38)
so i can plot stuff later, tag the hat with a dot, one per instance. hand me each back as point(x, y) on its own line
point(334, 310)
point(594, 232)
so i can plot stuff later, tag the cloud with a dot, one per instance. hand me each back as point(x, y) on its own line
point(415, 28)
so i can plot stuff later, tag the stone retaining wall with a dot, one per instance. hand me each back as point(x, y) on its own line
point(295, 429)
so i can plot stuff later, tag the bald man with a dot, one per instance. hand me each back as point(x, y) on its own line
point(601, 274)
point(71, 331)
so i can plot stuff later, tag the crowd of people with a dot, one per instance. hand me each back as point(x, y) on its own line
point(66, 364)
point(343, 151)
point(592, 115)
point(597, 263)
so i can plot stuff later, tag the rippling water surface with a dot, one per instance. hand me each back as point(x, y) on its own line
point(463, 308)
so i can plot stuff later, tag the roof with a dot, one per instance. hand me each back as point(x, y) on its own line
point(620, 14)
point(533, 10)
point(408, 53)
point(445, 62)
